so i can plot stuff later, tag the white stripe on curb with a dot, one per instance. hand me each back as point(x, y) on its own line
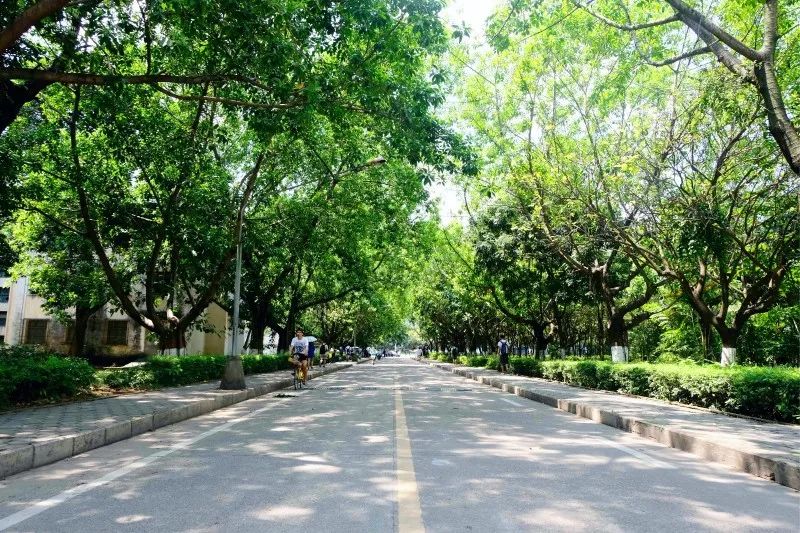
point(652, 461)
point(512, 402)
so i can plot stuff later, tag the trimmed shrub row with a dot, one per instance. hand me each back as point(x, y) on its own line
point(765, 392)
point(28, 376)
point(171, 371)
point(34, 378)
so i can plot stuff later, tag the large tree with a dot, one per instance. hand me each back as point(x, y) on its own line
point(717, 215)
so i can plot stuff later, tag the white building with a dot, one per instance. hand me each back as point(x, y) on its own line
point(109, 333)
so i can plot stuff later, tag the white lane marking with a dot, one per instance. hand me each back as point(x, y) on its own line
point(652, 461)
point(409, 510)
point(512, 402)
point(41, 506)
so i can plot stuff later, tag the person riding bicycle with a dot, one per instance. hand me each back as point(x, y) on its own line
point(299, 351)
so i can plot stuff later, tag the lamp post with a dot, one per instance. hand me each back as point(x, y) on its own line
point(233, 378)
point(234, 374)
point(237, 285)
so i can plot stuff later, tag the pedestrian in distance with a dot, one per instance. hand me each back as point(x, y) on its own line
point(312, 350)
point(503, 350)
point(323, 354)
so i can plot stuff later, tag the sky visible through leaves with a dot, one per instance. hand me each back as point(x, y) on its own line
point(474, 13)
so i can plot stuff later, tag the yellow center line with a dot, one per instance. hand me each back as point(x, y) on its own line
point(409, 511)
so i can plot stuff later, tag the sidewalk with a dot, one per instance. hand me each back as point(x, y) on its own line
point(768, 450)
point(33, 437)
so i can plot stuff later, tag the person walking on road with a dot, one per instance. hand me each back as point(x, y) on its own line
point(503, 350)
point(323, 354)
point(312, 350)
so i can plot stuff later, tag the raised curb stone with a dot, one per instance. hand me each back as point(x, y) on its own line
point(16, 460)
point(53, 450)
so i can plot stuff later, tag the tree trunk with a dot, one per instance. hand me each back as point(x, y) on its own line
point(600, 329)
point(729, 336)
point(705, 337)
point(82, 316)
point(257, 327)
point(283, 338)
point(617, 336)
point(540, 341)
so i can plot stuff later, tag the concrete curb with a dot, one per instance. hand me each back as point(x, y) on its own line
point(782, 472)
point(38, 454)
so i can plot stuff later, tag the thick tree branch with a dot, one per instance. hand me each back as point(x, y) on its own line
point(673, 60)
point(81, 78)
point(29, 18)
point(692, 17)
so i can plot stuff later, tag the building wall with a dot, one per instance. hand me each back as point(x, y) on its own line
point(5, 283)
point(218, 319)
point(24, 307)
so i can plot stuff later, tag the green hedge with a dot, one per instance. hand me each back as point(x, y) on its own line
point(765, 392)
point(473, 360)
point(32, 378)
point(261, 364)
point(28, 375)
point(171, 371)
point(525, 366)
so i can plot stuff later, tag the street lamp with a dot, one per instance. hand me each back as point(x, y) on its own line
point(235, 382)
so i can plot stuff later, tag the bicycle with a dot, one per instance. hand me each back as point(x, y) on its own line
point(297, 373)
point(298, 377)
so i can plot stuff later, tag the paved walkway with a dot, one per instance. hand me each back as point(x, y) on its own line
point(770, 450)
point(35, 436)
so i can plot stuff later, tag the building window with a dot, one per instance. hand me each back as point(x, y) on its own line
point(4, 295)
point(3, 316)
point(36, 331)
point(117, 333)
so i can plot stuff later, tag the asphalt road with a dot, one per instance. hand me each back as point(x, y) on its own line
point(397, 446)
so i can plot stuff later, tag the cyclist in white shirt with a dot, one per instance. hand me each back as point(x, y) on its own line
point(299, 350)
